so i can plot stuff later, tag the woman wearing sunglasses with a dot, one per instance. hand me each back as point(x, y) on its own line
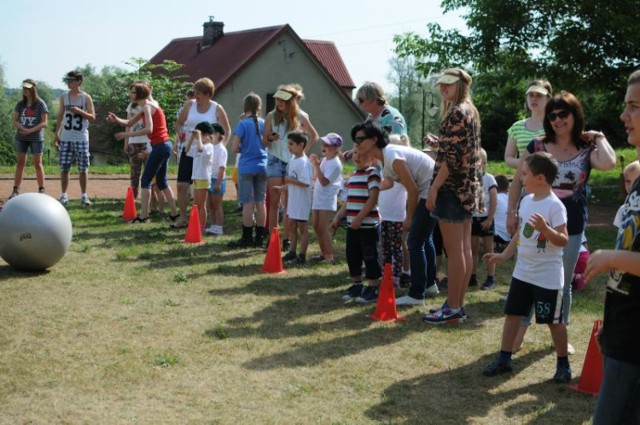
point(577, 152)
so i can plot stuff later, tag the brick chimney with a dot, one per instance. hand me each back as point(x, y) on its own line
point(212, 31)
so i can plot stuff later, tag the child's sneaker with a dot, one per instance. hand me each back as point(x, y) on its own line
point(489, 284)
point(432, 291)
point(354, 291)
point(445, 316)
point(369, 295)
point(436, 309)
point(497, 368)
point(286, 244)
point(563, 374)
point(289, 256)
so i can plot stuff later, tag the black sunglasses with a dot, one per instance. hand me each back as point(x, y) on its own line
point(562, 115)
point(359, 139)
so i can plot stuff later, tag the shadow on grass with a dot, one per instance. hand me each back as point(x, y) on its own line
point(9, 272)
point(463, 395)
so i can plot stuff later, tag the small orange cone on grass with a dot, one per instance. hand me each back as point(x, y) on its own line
point(386, 307)
point(129, 213)
point(194, 233)
point(273, 260)
point(591, 376)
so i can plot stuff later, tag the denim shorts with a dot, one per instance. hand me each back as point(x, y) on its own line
point(223, 187)
point(276, 167)
point(252, 188)
point(36, 147)
point(448, 208)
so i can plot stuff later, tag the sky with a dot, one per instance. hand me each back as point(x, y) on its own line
point(47, 39)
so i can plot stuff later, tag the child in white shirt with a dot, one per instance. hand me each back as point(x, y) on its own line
point(218, 185)
point(200, 148)
point(325, 193)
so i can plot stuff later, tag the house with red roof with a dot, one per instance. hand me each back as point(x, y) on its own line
point(259, 60)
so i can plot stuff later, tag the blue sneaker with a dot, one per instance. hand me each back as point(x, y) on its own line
point(497, 368)
point(353, 292)
point(437, 309)
point(445, 316)
point(369, 295)
point(563, 375)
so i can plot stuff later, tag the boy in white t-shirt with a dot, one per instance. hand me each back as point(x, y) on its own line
point(200, 148)
point(538, 276)
point(483, 226)
point(325, 193)
point(218, 186)
point(298, 184)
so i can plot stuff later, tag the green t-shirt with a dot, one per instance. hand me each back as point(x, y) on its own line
point(522, 135)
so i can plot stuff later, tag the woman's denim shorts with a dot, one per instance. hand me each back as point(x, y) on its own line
point(276, 167)
point(448, 208)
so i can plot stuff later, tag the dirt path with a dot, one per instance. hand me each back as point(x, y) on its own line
point(115, 186)
point(99, 187)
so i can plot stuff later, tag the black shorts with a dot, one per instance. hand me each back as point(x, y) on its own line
point(523, 296)
point(477, 230)
point(185, 168)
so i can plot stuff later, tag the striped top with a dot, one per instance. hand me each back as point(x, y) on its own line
point(522, 135)
point(359, 187)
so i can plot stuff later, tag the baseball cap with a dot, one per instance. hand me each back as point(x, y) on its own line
point(332, 139)
point(217, 128)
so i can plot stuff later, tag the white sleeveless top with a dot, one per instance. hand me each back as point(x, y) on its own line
point(194, 117)
point(75, 128)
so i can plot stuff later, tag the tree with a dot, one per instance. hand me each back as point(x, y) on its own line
point(7, 132)
point(587, 47)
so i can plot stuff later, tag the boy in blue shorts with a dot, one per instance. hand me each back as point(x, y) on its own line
point(538, 275)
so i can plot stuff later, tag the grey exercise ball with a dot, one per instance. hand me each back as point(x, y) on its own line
point(35, 231)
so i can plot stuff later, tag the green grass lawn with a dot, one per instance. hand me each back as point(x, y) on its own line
point(135, 326)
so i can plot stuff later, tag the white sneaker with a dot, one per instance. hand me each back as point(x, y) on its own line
point(432, 291)
point(63, 200)
point(218, 231)
point(85, 201)
point(211, 230)
point(407, 300)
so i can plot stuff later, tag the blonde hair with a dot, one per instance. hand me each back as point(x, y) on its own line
point(292, 112)
point(371, 91)
point(633, 167)
point(463, 86)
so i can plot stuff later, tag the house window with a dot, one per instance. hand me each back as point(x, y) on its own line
point(270, 103)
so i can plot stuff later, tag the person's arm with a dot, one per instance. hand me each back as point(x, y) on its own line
point(605, 260)
point(268, 137)
point(338, 217)
point(311, 132)
point(56, 131)
point(147, 129)
point(219, 178)
point(194, 135)
point(493, 202)
point(499, 258)
point(436, 184)
point(235, 143)
point(88, 113)
point(603, 157)
point(511, 153)
point(223, 119)
point(515, 190)
point(401, 169)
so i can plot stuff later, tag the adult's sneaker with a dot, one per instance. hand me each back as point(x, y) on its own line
point(15, 192)
point(289, 256)
point(446, 316)
point(354, 291)
point(63, 200)
point(497, 368)
point(407, 300)
point(369, 295)
point(405, 280)
point(563, 374)
point(85, 201)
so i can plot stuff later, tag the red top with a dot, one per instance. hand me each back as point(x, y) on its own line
point(159, 134)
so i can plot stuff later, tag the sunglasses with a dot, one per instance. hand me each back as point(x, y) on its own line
point(553, 115)
point(359, 139)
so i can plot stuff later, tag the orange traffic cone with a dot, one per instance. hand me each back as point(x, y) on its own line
point(591, 376)
point(194, 233)
point(129, 213)
point(386, 307)
point(273, 260)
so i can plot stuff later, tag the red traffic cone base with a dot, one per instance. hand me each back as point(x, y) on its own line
point(273, 260)
point(129, 213)
point(591, 376)
point(194, 234)
point(386, 307)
